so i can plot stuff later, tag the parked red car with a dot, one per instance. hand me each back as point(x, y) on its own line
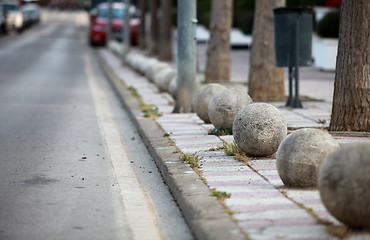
point(99, 23)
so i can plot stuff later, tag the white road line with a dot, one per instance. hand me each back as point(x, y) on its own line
point(138, 207)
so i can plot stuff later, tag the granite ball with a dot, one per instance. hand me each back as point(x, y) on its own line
point(163, 78)
point(202, 97)
point(258, 129)
point(344, 181)
point(223, 107)
point(136, 61)
point(155, 68)
point(301, 154)
point(172, 87)
point(144, 66)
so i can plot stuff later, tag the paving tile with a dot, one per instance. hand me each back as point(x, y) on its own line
point(262, 207)
point(275, 214)
point(258, 201)
point(316, 232)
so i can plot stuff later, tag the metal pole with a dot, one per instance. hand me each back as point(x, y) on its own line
point(186, 55)
point(126, 25)
point(109, 25)
point(126, 31)
point(297, 103)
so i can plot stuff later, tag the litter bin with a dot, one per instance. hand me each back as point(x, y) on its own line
point(293, 25)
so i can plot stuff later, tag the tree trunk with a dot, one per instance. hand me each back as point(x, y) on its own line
point(142, 32)
point(351, 101)
point(218, 52)
point(165, 38)
point(153, 27)
point(266, 81)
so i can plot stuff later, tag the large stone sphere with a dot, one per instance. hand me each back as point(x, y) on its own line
point(172, 87)
point(143, 68)
point(258, 129)
point(136, 61)
point(300, 155)
point(154, 68)
point(163, 78)
point(223, 107)
point(344, 181)
point(202, 97)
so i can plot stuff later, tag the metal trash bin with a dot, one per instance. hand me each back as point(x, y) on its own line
point(286, 20)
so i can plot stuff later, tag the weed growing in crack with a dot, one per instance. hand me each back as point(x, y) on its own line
point(216, 149)
point(191, 159)
point(231, 149)
point(220, 131)
point(149, 110)
point(134, 92)
point(220, 195)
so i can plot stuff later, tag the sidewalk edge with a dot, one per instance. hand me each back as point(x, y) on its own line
point(203, 213)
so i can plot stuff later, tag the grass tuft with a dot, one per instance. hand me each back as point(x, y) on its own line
point(134, 92)
point(338, 231)
point(231, 149)
point(191, 159)
point(220, 195)
point(150, 110)
point(220, 131)
point(216, 149)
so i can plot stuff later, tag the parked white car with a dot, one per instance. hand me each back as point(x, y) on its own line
point(15, 16)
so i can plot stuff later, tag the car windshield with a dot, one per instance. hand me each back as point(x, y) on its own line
point(116, 13)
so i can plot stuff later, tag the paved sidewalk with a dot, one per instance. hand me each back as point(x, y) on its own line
point(260, 204)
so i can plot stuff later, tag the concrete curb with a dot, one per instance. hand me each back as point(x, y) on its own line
point(203, 213)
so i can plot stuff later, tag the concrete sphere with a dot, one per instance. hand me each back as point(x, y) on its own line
point(129, 57)
point(258, 129)
point(136, 61)
point(172, 87)
point(154, 68)
point(202, 97)
point(163, 78)
point(223, 107)
point(344, 181)
point(300, 155)
point(145, 65)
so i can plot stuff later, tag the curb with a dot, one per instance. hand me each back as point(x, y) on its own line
point(204, 214)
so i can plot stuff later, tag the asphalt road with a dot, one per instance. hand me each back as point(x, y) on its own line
point(72, 165)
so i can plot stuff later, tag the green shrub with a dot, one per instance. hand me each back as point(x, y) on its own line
point(328, 27)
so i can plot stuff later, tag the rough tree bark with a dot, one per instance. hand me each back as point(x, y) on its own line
point(218, 52)
point(351, 101)
point(266, 81)
point(165, 38)
point(154, 24)
point(142, 32)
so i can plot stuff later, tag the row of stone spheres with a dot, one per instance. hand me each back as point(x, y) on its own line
point(306, 158)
